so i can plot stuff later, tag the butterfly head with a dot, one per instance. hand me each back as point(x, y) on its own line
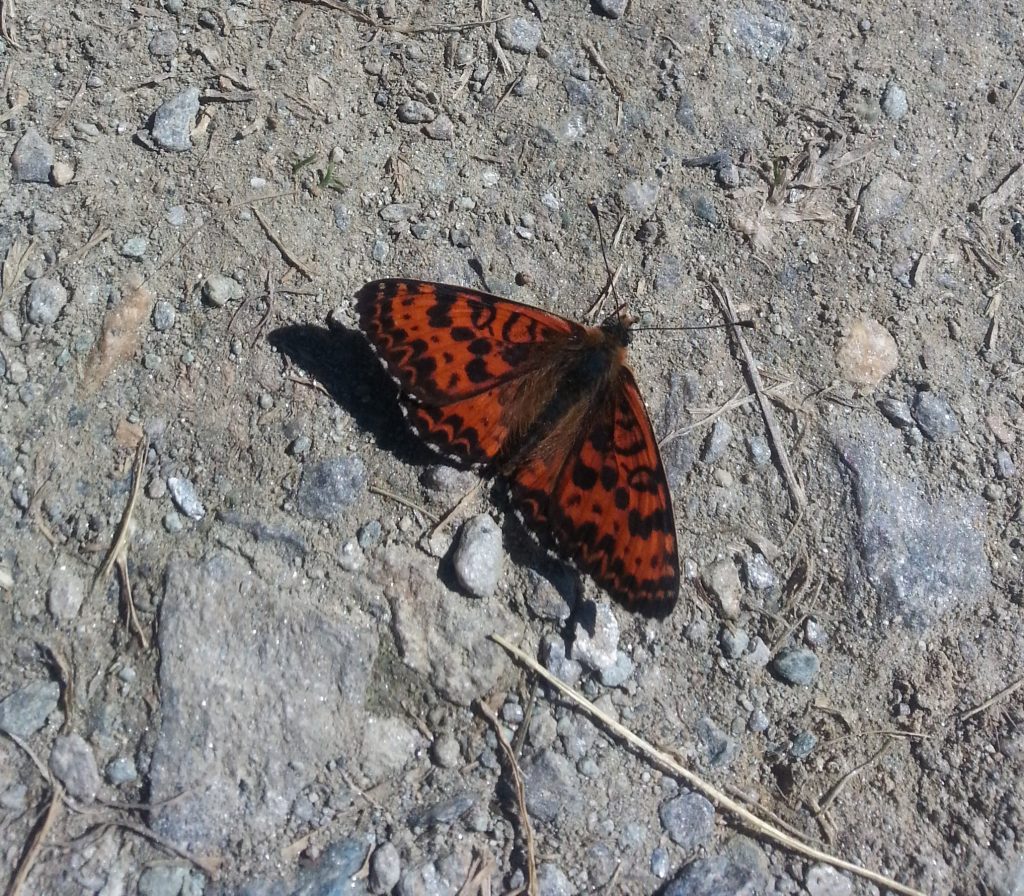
point(619, 325)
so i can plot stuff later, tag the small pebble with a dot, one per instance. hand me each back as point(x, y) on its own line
point(14, 798)
point(661, 865)
point(73, 762)
point(32, 159)
point(688, 819)
point(814, 634)
point(796, 666)
point(760, 450)
point(329, 486)
point(733, 642)
point(717, 441)
point(555, 660)
point(612, 9)
point(444, 812)
point(479, 557)
point(413, 112)
point(172, 523)
point(619, 672)
point(758, 721)
point(300, 446)
point(894, 102)
point(10, 326)
point(65, 595)
point(758, 572)
point(121, 771)
point(441, 128)
point(597, 651)
point(135, 247)
point(24, 711)
point(720, 748)
point(802, 745)
point(219, 289)
point(350, 556)
point(397, 211)
point(385, 868)
point(723, 581)
point(896, 412)
point(163, 44)
point(61, 174)
point(935, 416)
point(824, 880)
point(758, 656)
point(446, 751)
point(173, 121)
point(176, 216)
point(369, 534)
point(46, 300)
point(163, 316)
point(867, 354)
point(168, 880)
point(1005, 468)
point(186, 499)
point(552, 881)
point(519, 35)
point(44, 222)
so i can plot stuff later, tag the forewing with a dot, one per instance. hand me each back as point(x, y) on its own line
point(607, 504)
point(446, 343)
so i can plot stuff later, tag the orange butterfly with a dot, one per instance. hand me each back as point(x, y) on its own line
point(551, 405)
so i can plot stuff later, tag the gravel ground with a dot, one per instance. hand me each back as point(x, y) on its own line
point(274, 683)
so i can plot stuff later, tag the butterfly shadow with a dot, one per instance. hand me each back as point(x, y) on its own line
point(343, 363)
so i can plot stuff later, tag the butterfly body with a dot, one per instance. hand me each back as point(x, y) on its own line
point(549, 404)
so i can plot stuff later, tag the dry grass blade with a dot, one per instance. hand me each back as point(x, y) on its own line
point(796, 491)
point(532, 887)
point(662, 760)
point(121, 536)
point(287, 253)
point(994, 699)
point(35, 843)
point(209, 865)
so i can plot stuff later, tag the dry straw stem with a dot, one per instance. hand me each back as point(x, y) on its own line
point(288, 254)
point(121, 535)
point(664, 761)
point(796, 491)
point(532, 887)
point(995, 698)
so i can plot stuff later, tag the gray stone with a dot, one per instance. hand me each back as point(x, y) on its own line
point(219, 289)
point(595, 642)
point(763, 37)
point(719, 747)
point(797, 666)
point(733, 642)
point(660, 862)
point(441, 128)
point(935, 416)
point(881, 200)
point(715, 876)
point(32, 159)
point(185, 497)
point(44, 222)
point(552, 593)
point(758, 572)
point(802, 745)
point(824, 880)
point(163, 316)
point(896, 412)
point(397, 211)
point(385, 868)
point(552, 787)
point(444, 812)
point(438, 634)
point(46, 299)
point(24, 711)
point(921, 558)
point(169, 880)
point(390, 744)
point(613, 9)
point(446, 751)
point(1005, 467)
point(329, 486)
point(552, 881)
point(73, 763)
point(173, 121)
point(760, 450)
point(519, 34)
point(258, 693)
point(619, 672)
point(688, 819)
point(122, 770)
point(334, 871)
point(65, 594)
point(14, 798)
point(413, 112)
point(135, 247)
point(723, 581)
point(894, 102)
point(479, 557)
point(717, 441)
point(163, 44)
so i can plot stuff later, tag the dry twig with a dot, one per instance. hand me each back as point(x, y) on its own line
point(121, 535)
point(664, 761)
point(520, 788)
point(796, 491)
point(994, 699)
point(287, 253)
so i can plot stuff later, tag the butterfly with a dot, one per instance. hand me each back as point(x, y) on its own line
point(550, 405)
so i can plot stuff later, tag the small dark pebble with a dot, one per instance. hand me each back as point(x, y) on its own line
point(796, 665)
point(442, 813)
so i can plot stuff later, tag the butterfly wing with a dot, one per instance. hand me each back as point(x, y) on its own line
point(446, 343)
point(606, 501)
